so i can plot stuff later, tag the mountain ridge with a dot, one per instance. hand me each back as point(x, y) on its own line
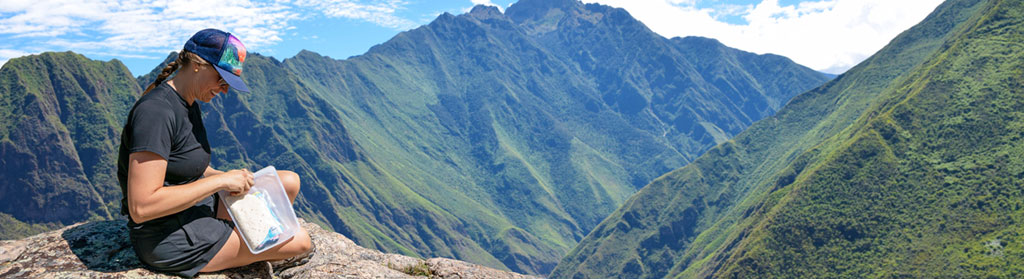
point(75, 91)
point(744, 208)
point(473, 138)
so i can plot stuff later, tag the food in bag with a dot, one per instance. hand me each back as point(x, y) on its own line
point(264, 215)
point(254, 218)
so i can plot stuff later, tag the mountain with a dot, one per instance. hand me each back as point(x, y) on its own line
point(499, 139)
point(527, 146)
point(907, 165)
point(62, 115)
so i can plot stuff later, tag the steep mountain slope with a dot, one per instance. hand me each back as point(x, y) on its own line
point(61, 120)
point(497, 127)
point(927, 184)
point(904, 165)
point(696, 91)
point(476, 137)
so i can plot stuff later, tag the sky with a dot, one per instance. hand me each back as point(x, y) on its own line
point(826, 35)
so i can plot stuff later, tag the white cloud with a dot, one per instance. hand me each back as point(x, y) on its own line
point(140, 26)
point(829, 36)
point(152, 28)
point(7, 54)
point(380, 12)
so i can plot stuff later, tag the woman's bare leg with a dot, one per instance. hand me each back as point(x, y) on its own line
point(291, 182)
point(234, 253)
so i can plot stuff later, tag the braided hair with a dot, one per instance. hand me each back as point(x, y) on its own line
point(184, 59)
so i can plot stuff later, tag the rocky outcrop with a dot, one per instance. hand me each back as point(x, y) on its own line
point(102, 250)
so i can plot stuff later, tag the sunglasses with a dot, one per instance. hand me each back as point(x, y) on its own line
point(224, 86)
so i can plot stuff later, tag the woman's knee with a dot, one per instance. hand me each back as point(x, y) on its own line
point(291, 182)
point(302, 241)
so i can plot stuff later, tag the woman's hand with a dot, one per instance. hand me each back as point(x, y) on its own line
point(237, 182)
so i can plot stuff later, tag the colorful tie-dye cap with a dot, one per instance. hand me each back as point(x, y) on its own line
point(224, 51)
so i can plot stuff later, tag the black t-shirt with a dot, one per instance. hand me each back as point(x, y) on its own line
point(163, 123)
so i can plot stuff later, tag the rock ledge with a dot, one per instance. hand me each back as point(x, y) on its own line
point(101, 250)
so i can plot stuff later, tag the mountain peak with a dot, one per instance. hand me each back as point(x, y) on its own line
point(443, 18)
point(535, 9)
point(306, 52)
point(485, 12)
point(549, 4)
point(697, 40)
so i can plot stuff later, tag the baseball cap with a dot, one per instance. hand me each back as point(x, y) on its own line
point(222, 50)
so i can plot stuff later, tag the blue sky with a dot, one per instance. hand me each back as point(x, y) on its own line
point(826, 35)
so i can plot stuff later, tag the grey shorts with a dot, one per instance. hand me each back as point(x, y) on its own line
point(182, 243)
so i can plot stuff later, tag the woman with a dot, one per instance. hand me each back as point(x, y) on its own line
point(178, 224)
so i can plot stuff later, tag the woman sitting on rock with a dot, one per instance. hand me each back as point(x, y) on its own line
point(178, 224)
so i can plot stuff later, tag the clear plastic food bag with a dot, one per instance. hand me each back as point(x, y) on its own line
point(264, 216)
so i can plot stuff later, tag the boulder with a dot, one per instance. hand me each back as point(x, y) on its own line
point(102, 250)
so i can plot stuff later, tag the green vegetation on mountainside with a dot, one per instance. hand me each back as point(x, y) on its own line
point(483, 137)
point(906, 165)
point(288, 126)
point(502, 130)
point(62, 115)
point(928, 183)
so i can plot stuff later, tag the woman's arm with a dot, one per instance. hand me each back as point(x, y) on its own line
point(148, 199)
point(211, 172)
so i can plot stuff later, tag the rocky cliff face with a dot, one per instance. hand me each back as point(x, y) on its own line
point(102, 250)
